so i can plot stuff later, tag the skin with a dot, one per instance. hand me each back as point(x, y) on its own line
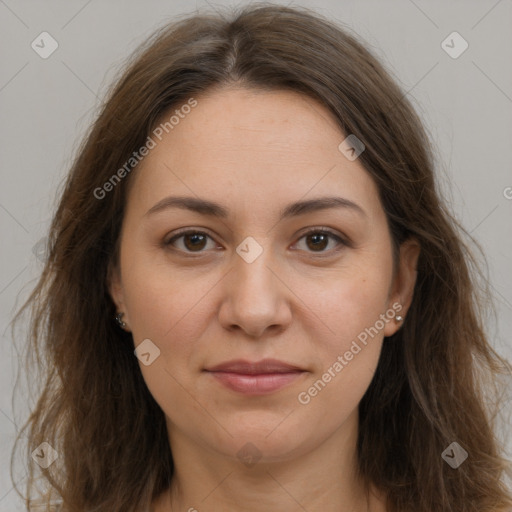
point(299, 301)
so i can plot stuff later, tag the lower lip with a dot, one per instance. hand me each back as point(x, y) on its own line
point(256, 384)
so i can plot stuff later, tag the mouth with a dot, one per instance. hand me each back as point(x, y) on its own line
point(255, 378)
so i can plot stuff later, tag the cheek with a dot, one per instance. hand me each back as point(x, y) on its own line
point(161, 299)
point(347, 302)
point(347, 355)
point(175, 322)
point(172, 312)
point(350, 307)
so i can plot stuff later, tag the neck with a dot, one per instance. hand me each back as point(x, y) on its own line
point(320, 479)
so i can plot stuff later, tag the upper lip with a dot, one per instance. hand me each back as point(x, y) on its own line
point(244, 367)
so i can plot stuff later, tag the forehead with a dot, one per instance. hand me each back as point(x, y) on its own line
point(251, 145)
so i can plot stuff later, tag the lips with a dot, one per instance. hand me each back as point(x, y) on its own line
point(257, 368)
point(255, 378)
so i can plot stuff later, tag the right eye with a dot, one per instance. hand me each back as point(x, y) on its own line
point(189, 241)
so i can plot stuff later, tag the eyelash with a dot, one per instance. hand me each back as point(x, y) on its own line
point(321, 231)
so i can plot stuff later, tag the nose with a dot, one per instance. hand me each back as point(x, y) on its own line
point(255, 299)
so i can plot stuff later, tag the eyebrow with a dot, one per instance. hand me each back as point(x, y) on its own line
point(205, 207)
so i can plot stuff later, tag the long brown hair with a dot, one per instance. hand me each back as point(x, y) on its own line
point(430, 386)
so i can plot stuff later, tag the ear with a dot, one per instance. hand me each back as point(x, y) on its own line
point(116, 291)
point(402, 287)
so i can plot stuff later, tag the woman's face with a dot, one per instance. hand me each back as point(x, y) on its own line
point(255, 172)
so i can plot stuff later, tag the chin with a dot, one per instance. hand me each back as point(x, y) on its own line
point(265, 439)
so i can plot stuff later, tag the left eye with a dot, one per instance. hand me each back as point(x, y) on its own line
point(316, 240)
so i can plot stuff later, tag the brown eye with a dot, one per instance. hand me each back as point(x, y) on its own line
point(194, 241)
point(189, 241)
point(318, 240)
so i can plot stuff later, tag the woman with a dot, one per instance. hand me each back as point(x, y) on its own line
point(254, 298)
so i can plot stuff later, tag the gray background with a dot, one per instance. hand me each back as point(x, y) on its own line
point(47, 104)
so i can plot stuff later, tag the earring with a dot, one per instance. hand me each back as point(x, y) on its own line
point(119, 320)
point(399, 318)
